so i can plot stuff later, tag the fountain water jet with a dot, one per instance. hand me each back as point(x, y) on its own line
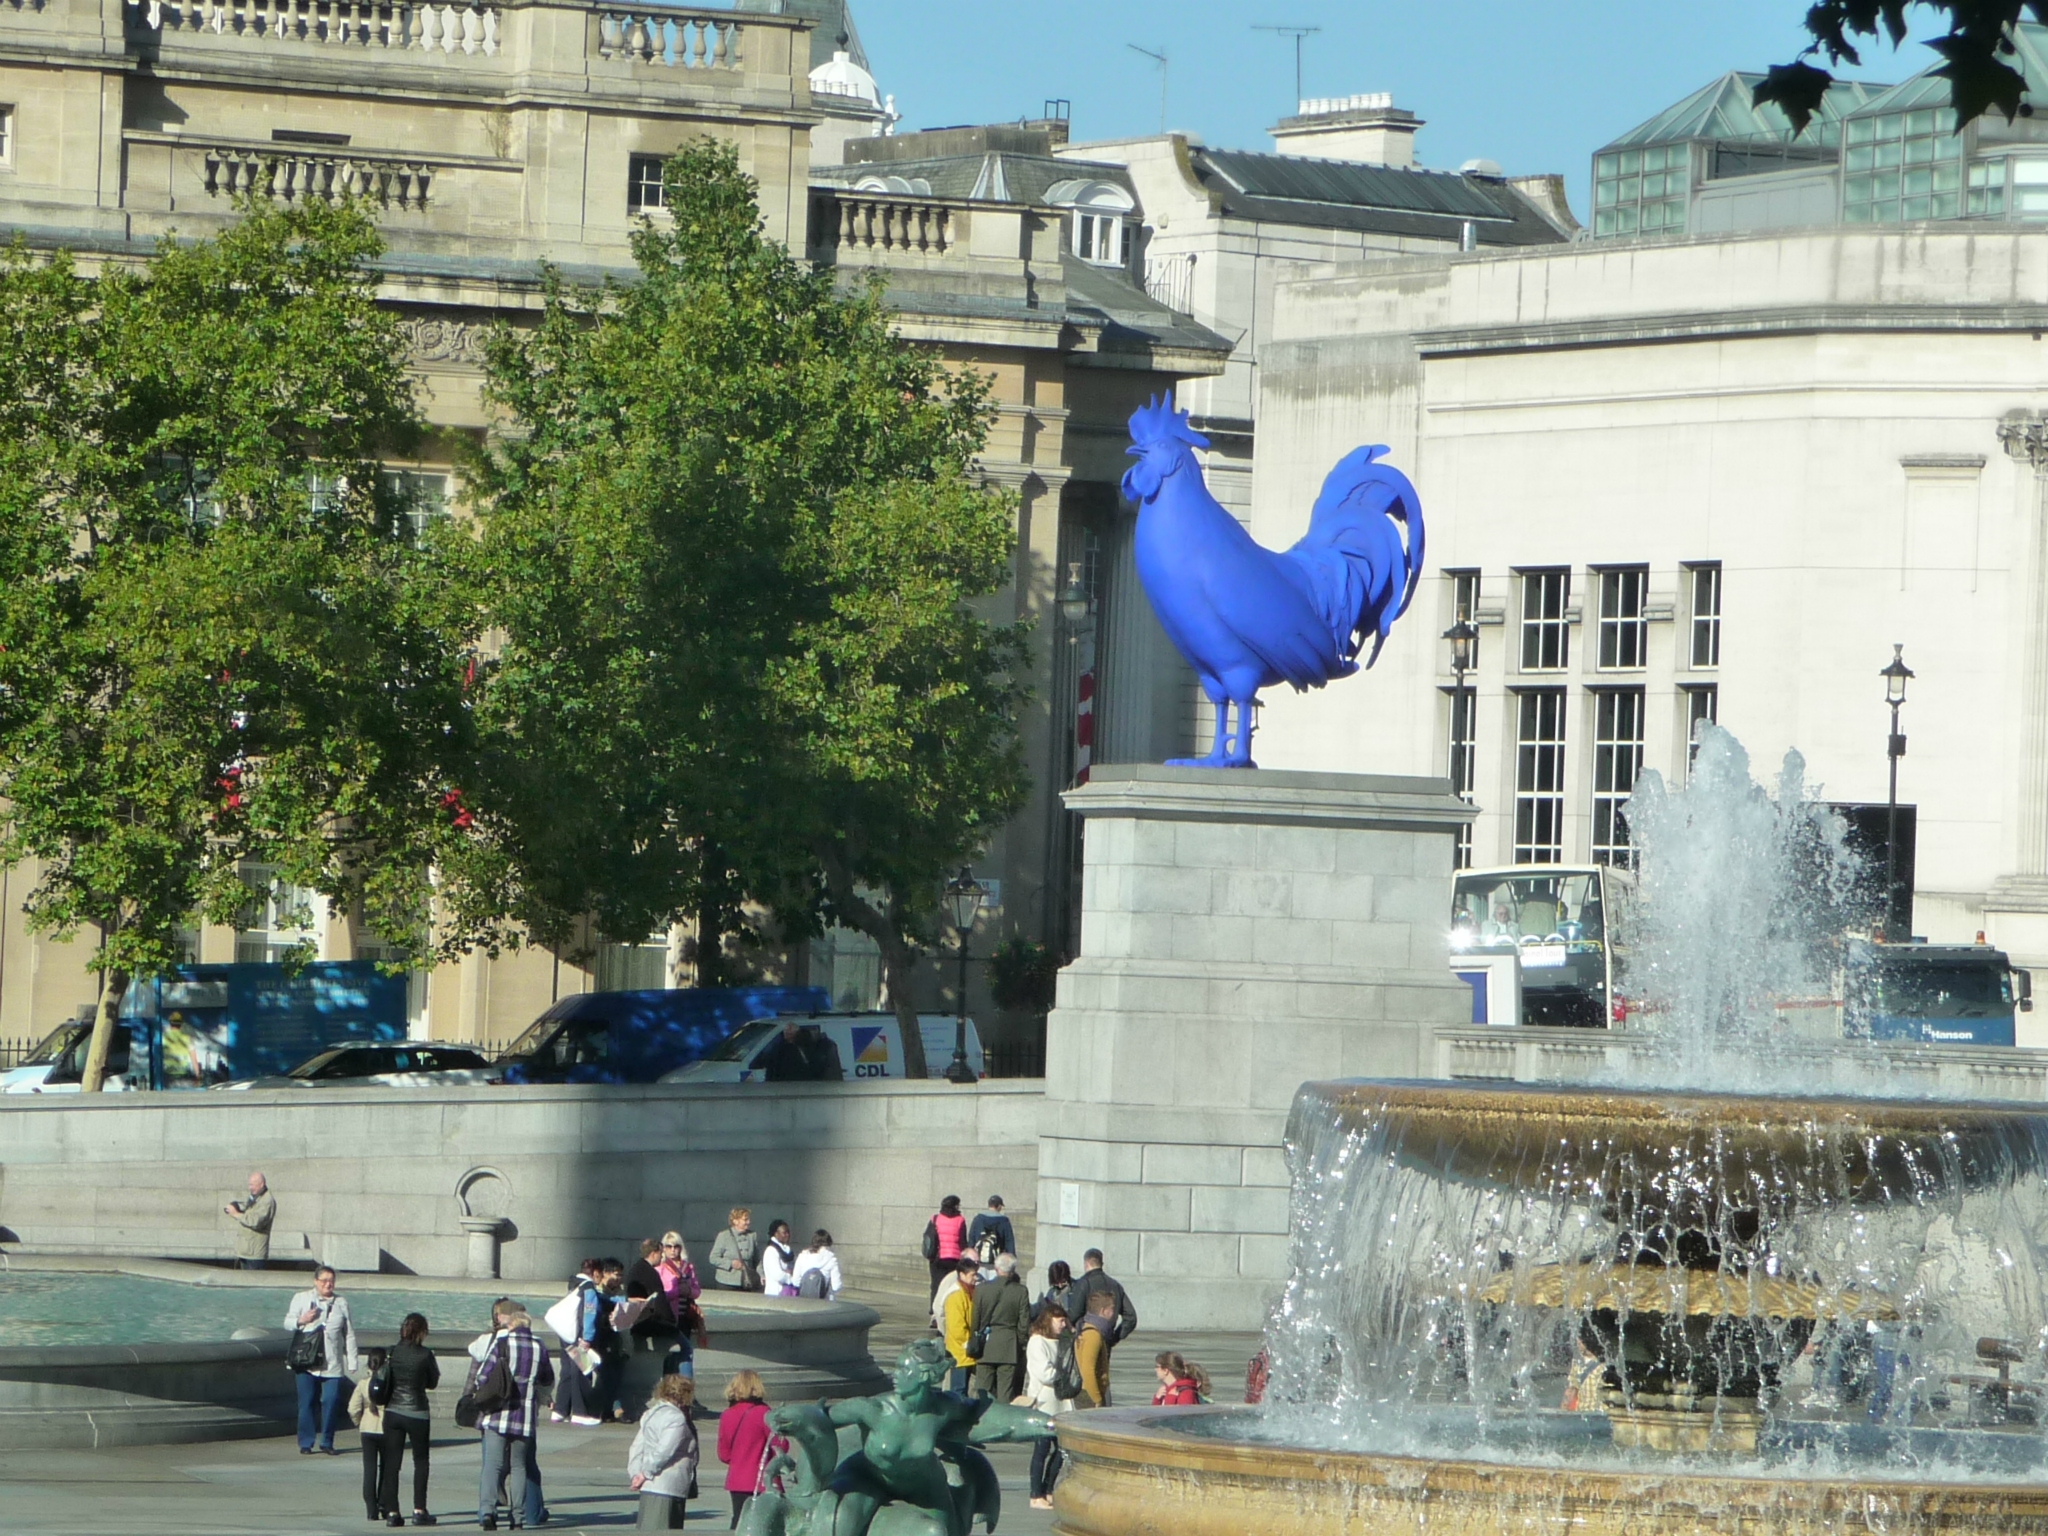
point(1772, 1310)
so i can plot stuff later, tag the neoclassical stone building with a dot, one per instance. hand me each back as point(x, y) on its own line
point(495, 136)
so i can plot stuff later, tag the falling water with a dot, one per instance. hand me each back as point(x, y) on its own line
point(1813, 1257)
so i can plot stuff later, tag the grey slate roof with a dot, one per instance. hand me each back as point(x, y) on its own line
point(1132, 319)
point(828, 19)
point(1349, 194)
point(994, 176)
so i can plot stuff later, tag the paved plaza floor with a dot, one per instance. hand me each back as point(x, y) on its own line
point(256, 1487)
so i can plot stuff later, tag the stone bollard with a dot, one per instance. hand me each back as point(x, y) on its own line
point(484, 1231)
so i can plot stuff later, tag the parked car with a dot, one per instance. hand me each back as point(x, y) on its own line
point(385, 1064)
point(634, 1037)
point(870, 1045)
point(58, 1064)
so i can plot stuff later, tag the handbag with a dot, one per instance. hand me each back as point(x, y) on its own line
point(491, 1392)
point(931, 1242)
point(566, 1317)
point(977, 1342)
point(308, 1352)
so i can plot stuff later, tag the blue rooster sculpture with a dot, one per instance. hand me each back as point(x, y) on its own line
point(1247, 617)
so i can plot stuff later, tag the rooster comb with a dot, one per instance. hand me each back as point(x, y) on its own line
point(1157, 421)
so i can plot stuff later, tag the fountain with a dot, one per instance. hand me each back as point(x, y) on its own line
point(1745, 1285)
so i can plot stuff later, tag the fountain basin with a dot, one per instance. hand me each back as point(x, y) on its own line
point(1184, 1472)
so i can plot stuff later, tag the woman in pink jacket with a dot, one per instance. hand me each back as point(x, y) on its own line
point(945, 1240)
point(743, 1439)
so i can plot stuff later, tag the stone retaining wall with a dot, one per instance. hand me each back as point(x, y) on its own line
point(369, 1177)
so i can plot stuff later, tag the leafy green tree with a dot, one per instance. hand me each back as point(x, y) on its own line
point(728, 546)
point(1974, 51)
point(214, 646)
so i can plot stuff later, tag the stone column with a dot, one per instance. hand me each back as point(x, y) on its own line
point(1242, 932)
point(2016, 907)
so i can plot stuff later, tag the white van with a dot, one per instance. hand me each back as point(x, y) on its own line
point(870, 1045)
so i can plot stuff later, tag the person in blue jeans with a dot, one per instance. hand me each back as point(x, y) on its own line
point(508, 1432)
point(323, 1386)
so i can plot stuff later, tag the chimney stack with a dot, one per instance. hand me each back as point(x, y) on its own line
point(1367, 127)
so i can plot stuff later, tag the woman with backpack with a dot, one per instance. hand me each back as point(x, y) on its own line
point(945, 1235)
point(366, 1412)
point(1182, 1384)
point(1052, 1380)
point(816, 1272)
point(1059, 1285)
point(582, 1321)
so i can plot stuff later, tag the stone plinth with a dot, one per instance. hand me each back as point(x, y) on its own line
point(1242, 932)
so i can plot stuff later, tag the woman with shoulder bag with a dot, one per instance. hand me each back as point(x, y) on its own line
point(777, 1259)
point(945, 1235)
point(322, 1353)
point(679, 1282)
point(1042, 1383)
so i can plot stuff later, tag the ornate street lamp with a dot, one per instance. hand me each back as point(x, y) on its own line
point(1074, 604)
point(1895, 678)
point(1464, 638)
point(964, 895)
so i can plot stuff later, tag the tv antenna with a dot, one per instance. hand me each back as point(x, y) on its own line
point(1157, 56)
point(1297, 33)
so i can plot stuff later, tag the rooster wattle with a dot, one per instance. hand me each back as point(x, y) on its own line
point(1247, 617)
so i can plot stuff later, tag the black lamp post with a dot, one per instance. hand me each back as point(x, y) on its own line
point(1895, 678)
point(963, 895)
point(1464, 638)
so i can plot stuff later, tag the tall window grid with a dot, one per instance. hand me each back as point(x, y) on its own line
point(1539, 776)
point(1464, 759)
point(1617, 760)
point(1702, 707)
point(1641, 191)
point(1546, 637)
point(424, 498)
point(1624, 631)
point(1465, 604)
point(1705, 583)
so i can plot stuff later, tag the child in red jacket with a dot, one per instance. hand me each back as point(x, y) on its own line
point(744, 1443)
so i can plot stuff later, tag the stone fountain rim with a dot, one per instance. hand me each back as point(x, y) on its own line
point(1136, 1436)
point(1648, 1106)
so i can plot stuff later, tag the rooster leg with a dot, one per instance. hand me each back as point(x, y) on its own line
point(1240, 755)
point(1219, 749)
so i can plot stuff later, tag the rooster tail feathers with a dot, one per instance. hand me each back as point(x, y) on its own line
point(1364, 572)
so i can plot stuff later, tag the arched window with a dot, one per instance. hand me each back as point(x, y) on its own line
point(1100, 211)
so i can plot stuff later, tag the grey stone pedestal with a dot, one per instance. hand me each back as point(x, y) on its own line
point(1243, 932)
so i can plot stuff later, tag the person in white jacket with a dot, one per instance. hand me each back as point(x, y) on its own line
point(819, 1260)
point(1041, 1391)
point(662, 1465)
point(777, 1261)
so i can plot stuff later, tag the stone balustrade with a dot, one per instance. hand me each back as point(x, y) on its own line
point(669, 39)
point(871, 226)
point(444, 29)
point(290, 174)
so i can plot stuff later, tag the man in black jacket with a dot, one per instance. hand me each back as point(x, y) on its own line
point(1095, 1278)
point(802, 1056)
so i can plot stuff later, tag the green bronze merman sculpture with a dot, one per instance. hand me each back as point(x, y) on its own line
point(897, 1483)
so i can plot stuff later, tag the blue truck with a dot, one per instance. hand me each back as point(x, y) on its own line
point(1938, 994)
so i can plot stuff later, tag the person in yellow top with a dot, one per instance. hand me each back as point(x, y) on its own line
point(959, 1316)
point(1091, 1349)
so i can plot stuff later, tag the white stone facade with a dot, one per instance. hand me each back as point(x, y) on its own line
point(1818, 412)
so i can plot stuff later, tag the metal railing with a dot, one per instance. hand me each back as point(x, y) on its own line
point(13, 1052)
point(1015, 1058)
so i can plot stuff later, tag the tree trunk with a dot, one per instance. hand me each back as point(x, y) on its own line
point(899, 958)
point(95, 1074)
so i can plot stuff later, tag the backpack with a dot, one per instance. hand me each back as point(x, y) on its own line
point(988, 1247)
point(379, 1388)
point(1066, 1370)
point(816, 1285)
point(931, 1241)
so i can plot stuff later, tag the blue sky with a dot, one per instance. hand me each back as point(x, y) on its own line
point(1535, 87)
